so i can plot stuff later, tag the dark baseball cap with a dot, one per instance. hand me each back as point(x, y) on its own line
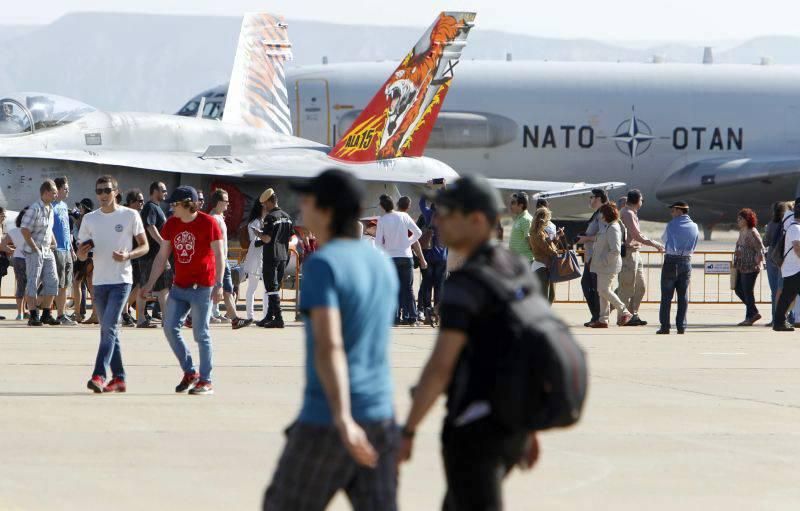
point(470, 193)
point(182, 193)
point(335, 189)
point(87, 204)
point(680, 205)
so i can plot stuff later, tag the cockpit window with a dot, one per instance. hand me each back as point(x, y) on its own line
point(31, 112)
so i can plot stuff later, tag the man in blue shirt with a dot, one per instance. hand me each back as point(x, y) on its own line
point(680, 240)
point(435, 254)
point(64, 252)
point(345, 437)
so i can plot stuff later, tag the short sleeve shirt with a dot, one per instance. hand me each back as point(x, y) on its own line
point(38, 219)
point(110, 232)
point(61, 229)
point(361, 282)
point(791, 263)
point(152, 214)
point(195, 262)
point(520, 232)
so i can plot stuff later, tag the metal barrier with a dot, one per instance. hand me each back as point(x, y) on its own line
point(710, 282)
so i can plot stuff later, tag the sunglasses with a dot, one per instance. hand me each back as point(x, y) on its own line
point(102, 191)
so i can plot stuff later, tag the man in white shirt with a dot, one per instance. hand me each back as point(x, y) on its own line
point(219, 204)
point(393, 237)
point(790, 270)
point(109, 232)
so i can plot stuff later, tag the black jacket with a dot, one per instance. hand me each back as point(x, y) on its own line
point(278, 225)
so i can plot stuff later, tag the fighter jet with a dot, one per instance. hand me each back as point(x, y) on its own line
point(44, 135)
point(720, 136)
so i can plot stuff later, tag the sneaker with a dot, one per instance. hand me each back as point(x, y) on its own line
point(275, 323)
point(665, 331)
point(92, 320)
point(63, 320)
point(96, 384)
point(755, 318)
point(127, 320)
point(115, 385)
point(238, 323)
point(636, 321)
point(50, 320)
point(264, 321)
point(189, 381)
point(20, 317)
point(202, 388)
point(146, 324)
point(215, 320)
point(223, 319)
point(598, 324)
point(35, 322)
point(624, 319)
point(785, 327)
point(158, 316)
point(746, 322)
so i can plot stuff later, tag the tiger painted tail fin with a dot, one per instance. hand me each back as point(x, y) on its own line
point(399, 119)
point(257, 93)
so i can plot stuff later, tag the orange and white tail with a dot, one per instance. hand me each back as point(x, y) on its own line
point(257, 94)
point(399, 119)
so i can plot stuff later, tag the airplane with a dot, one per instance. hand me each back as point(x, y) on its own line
point(721, 137)
point(44, 136)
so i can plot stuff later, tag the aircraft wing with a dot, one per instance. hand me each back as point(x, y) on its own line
point(551, 189)
point(756, 181)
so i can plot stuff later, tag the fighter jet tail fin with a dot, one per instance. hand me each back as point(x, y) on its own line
point(399, 119)
point(257, 93)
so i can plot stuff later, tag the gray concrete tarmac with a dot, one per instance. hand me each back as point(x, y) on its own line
point(709, 420)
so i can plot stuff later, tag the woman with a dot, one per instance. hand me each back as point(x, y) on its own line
point(5, 262)
point(747, 260)
point(771, 238)
point(606, 264)
point(253, 260)
point(543, 250)
point(12, 243)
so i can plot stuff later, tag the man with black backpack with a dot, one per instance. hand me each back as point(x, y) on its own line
point(435, 254)
point(509, 367)
point(790, 270)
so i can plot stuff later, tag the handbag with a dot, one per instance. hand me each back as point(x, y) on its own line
point(564, 266)
point(4, 264)
point(734, 276)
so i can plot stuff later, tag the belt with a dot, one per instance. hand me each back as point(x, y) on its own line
point(676, 256)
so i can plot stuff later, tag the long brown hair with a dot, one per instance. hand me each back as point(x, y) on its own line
point(609, 212)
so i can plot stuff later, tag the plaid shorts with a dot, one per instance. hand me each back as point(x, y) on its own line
point(315, 465)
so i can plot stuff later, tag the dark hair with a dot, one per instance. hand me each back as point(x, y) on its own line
point(218, 195)
point(386, 203)
point(521, 198)
point(107, 179)
point(255, 211)
point(599, 192)
point(193, 206)
point(634, 196)
point(155, 185)
point(778, 210)
point(132, 195)
point(18, 221)
point(273, 199)
point(749, 216)
point(118, 198)
point(344, 223)
point(403, 203)
point(60, 182)
point(48, 185)
point(542, 203)
point(609, 212)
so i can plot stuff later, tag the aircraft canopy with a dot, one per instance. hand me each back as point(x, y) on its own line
point(28, 112)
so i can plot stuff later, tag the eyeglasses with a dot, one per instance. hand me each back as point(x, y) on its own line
point(101, 191)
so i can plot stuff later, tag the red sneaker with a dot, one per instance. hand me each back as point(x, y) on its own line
point(202, 388)
point(115, 385)
point(189, 380)
point(96, 384)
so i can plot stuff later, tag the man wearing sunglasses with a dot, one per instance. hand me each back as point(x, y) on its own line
point(153, 218)
point(109, 232)
point(195, 240)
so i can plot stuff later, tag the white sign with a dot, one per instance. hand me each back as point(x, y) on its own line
point(717, 267)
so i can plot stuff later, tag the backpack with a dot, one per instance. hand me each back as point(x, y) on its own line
point(244, 236)
point(542, 375)
point(426, 240)
point(776, 252)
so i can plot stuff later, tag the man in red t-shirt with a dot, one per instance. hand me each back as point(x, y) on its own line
point(195, 241)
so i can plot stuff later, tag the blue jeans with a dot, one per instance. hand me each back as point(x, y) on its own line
point(675, 276)
point(108, 301)
point(406, 309)
point(181, 301)
point(745, 286)
point(432, 282)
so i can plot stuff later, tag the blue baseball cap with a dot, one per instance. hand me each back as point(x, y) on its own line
point(182, 193)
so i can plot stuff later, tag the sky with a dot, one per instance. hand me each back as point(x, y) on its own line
point(694, 21)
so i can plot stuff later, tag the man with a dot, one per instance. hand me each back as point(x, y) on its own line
point(219, 204)
point(345, 435)
point(40, 263)
point(521, 229)
point(277, 232)
point(109, 233)
point(64, 253)
point(153, 218)
point(477, 453)
point(82, 272)
point(196, 242)
point(393, 237)
point(589, 279)
point(790, 271)
point(435, 253)
point(632, 286)
point(134, 199)
point(680, 241)
point(403, 205)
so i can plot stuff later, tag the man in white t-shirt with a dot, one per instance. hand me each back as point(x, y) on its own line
point(790, 270)
point(392, 236)
point(219, 204)
point(109, 232)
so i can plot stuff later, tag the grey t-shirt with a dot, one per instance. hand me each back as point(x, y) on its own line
point(591, 230)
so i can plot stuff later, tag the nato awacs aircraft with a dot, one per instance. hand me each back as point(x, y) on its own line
point(722, 137)
point(47, 136)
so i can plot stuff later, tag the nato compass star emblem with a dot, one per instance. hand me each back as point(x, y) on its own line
point(633, 137)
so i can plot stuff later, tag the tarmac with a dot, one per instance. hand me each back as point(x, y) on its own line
point(708, 420)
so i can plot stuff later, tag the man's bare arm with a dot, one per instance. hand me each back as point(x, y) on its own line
point(26, 233)
point(153, 232)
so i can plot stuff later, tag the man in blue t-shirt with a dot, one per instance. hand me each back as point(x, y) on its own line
point(345, 435)
point(64, 252)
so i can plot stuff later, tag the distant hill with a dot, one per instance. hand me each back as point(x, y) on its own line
point(154, 63)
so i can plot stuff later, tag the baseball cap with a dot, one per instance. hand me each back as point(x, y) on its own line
point(680, 205)
point(335, 189)
point(86, 204)
point(266, 195)
point(468, 194)
point(182, 193)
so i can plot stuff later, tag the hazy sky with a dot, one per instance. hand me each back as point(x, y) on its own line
point(660, 20)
